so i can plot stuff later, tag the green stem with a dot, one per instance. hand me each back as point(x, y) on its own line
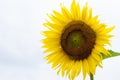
point(91, 76)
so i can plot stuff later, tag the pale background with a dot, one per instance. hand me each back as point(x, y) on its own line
point(21, 21)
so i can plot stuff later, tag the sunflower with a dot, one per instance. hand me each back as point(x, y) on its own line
point(75, 40)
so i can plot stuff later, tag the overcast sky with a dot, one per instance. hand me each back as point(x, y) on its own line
point(21, 21)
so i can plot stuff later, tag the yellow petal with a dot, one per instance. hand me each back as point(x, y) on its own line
point(73, 71)
point(55, 19)
point(58, 60)
point(90, 13)
point(93, 21)
point(79, 16)
point(60, 16)
point(78, 66)
point(73, 10)
point(51, 34)
point(65, 12)
point(92, 65)
point(53, 26)
point(84, 69)
point(107, 30)
point(99, 42)
point(96, 56)
point(84, 12)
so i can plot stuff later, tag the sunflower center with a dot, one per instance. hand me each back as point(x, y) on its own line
point(78, 40)
point(75, 39)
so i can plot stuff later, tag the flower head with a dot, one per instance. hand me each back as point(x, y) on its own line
point(75, 41)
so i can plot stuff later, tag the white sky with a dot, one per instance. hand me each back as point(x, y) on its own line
point(21, 21)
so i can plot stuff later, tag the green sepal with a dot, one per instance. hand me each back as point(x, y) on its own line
point(113, 54)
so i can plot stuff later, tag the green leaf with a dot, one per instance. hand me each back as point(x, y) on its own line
point(113, 54)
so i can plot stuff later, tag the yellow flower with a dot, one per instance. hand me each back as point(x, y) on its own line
point(75, 40)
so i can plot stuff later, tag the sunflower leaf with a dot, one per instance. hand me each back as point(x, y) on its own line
point(113, 54)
